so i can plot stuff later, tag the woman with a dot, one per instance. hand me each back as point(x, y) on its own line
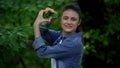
point(67, 48)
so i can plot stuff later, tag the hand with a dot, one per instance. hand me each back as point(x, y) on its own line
point(40, 18)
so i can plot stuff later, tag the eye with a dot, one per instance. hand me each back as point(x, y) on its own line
point(73, 19)
point(65, 17)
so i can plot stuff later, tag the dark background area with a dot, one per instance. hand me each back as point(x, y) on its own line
point(104, 21)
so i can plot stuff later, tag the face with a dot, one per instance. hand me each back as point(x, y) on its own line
point(70, 21)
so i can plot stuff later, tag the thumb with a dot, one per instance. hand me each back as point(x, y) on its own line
point(50, 19)
point(46, 21)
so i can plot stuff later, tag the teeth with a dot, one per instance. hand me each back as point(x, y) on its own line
point(68, 26)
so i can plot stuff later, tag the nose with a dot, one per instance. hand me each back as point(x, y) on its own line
point(69, 21)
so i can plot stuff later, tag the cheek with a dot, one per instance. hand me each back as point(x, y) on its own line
point(62, 22)
point(75, 25)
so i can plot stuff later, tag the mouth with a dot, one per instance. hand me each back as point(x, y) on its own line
point(68, 26)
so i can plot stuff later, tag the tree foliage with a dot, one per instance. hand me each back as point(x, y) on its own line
point(16, 31)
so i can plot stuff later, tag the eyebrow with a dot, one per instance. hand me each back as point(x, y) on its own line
point(68, 16)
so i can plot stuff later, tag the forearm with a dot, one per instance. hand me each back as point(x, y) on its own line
point(36, 30)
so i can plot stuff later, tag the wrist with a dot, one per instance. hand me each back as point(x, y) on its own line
point(36, 24)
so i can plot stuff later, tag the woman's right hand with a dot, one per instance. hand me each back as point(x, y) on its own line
point(40, 18)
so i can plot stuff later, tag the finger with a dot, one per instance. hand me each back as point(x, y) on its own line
point(50, 19)
point(47, 21)
point(41, 13)
point(46, 11)
point(50, 10)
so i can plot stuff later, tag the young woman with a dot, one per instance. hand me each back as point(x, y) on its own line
point(66, 48)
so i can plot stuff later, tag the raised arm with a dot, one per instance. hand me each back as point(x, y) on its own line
point(40, 20)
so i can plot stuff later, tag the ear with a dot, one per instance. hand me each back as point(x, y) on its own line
point(79, 22)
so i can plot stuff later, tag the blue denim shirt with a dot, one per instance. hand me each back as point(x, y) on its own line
point(68, 54)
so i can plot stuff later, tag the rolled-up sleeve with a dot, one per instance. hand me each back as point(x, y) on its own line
point(38, 43)
point(67, 48)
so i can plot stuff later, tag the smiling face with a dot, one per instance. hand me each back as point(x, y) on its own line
point(70, 21)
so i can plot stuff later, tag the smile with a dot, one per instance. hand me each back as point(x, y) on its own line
point(68, 26)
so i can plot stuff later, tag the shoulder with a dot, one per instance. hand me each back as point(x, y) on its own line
point(75, 37)
point(73, 40)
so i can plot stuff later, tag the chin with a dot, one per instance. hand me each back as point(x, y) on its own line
point(68, 31)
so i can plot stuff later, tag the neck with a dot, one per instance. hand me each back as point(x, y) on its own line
point(64, 34)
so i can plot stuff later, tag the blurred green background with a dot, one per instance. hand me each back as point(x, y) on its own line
point(100, 24)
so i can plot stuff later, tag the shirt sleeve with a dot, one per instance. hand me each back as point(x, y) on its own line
point(49, 35)
point(67, 48)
